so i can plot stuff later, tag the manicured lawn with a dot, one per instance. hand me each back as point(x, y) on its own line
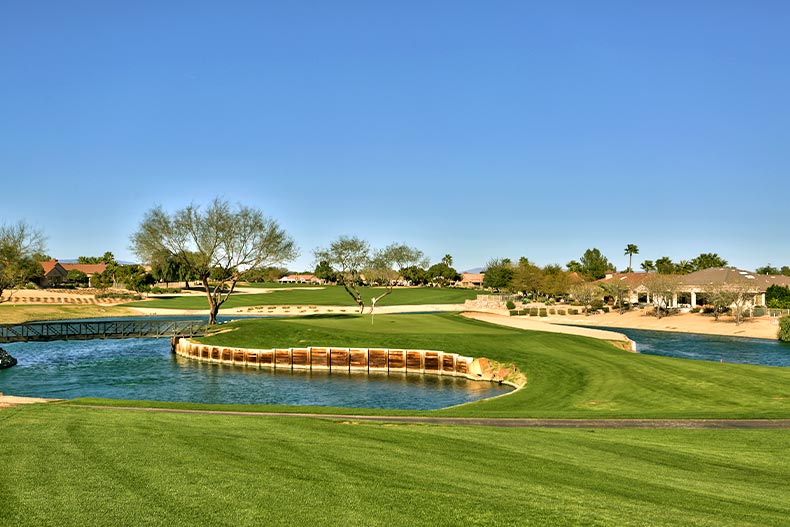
point(70, 466)
point(15, 314)
point(567, 376)
point(327, 296)
point(275, 285)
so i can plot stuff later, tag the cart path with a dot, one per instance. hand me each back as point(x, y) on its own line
point(731, 424)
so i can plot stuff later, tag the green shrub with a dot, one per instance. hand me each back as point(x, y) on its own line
point(510, 305)
point(695, 310)
point(574, 311)
point(513, 312)
point(522, 312)
point(784, 329)
point(164, 290)
point(31, 285)
point(543, 312)
point(560, 311)
point(708, 310)
point(533, 311)
point(605, 309)
point(758, 311)
point(552, 311)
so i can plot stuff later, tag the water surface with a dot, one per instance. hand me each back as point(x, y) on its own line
point(145, 369)
point(739, 350)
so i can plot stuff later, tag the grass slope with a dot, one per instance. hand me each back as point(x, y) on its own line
point(15, 314)
point(568, 376)
point(327, 296)
point(107, 467)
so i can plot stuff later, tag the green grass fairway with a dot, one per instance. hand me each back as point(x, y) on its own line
point(327, 296)
point(70, 466)
point(568, 376)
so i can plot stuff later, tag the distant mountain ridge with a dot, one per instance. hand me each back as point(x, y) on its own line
point(76, 260)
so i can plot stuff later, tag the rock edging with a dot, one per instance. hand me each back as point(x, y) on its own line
point(6, 360)
point(363, 360)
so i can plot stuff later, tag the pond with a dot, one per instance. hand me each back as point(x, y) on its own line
point(145, 369)
point(739, 350)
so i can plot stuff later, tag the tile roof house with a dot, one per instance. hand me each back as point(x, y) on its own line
point(55, 272)
point(471, 280)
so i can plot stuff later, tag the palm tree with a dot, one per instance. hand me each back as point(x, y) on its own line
point(631, 250)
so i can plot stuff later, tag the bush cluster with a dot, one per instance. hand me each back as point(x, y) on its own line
point(160, 290)
point(510, 305)
point(784, 329)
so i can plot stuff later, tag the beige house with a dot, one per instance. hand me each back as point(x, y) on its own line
point(55, 272)
point(300, 279)
point(472, 280)
point(693, 286)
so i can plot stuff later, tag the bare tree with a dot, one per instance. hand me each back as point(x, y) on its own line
point(218, 245)
point(350, 259)
point(736, 296)
point(742, 294)
point(619, 291)
point(387, 265)
point(720, 297)
point(586, 293)
point(19, 242)
point(348, 256)
point(663, 287)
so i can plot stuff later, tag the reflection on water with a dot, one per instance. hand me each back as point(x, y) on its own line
point(145, 369)
point(709, 347)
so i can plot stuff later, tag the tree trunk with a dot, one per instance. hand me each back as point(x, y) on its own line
point(212, 314)
point(213, 305)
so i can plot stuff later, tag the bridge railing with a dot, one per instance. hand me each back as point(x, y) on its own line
point(100, 329)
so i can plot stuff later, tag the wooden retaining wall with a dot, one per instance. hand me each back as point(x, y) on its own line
point(364, 360)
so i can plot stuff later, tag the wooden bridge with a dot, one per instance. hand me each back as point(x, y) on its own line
point(102, 329)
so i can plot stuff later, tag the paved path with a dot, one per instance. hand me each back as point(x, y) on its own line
point(746, 424)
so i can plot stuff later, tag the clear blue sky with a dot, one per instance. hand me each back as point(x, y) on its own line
point(479, 129)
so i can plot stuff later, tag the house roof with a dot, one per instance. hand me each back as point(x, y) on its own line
point(299, 278)
point(632, 280)
point(51, 265)
point(88, 269)
point(724, 275)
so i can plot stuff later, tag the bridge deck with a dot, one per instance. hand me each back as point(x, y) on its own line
point(100, 329)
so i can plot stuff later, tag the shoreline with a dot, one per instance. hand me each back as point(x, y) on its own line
point(762, 327)
point(765, 327)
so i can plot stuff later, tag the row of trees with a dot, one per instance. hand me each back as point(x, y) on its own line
point(19, 246)
point(347, 260)
point(504, 275)
point(218, 246)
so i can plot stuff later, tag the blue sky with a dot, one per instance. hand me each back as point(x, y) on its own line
point(478, 129)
